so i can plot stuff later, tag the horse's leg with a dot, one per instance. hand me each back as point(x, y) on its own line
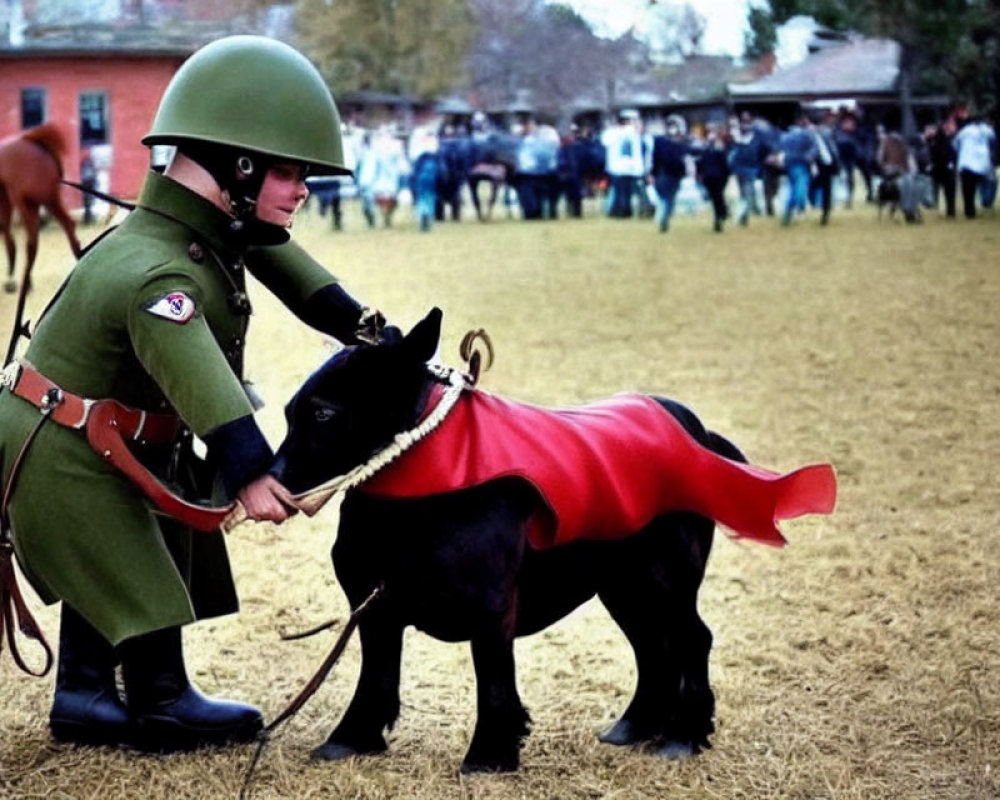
point(494, 192)
point(474, 195)
point(653, 598)
point(66, 223)
point(502, 722)
point(32, 224)
point(6, 222)
point(375, 704)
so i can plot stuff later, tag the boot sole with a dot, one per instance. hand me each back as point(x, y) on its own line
point(159, 735)
point(75, 732)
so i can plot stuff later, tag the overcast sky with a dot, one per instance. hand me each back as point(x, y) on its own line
point(726, 19)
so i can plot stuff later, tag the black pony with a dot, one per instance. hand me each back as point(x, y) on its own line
point(458, 567)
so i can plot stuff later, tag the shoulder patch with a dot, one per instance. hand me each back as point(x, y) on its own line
point(175, 306)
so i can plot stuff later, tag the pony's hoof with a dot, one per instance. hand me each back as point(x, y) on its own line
point(621, 734)
point(333, 752)
point(10, 286)
point(675, 751)
point(472, 767)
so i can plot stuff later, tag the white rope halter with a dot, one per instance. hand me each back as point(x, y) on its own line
point(312, 500)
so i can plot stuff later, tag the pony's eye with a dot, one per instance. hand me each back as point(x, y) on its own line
point(323, 414)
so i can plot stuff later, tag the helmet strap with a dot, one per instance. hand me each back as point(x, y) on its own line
point(245, 186)
point(239, 175)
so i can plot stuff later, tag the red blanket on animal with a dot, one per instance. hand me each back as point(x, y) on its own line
point(603, 471)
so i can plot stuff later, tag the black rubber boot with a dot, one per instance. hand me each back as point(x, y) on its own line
point(87, 708)
point(170, 714)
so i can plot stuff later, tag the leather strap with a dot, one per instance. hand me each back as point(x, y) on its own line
point(105, 434)
point(13, 610)
point(12, 606)
point(314, 683)
point(108, 424)
point(72, 411)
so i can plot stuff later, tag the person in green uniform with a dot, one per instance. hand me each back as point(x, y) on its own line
point(154, 316)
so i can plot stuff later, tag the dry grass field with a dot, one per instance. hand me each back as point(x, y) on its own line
point(861, 662)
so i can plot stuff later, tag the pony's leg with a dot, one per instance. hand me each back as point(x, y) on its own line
point(6, 214)
point(502, 722)
point(375, 704)
point(653, 598)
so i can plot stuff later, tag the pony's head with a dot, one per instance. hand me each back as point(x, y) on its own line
point(355, 404)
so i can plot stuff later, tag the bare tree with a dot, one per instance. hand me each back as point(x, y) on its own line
point(546, 51)
point(672, 30)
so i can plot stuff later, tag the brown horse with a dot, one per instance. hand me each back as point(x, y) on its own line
point(30, 172)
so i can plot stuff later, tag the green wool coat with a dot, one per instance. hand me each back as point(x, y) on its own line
point(82, 532)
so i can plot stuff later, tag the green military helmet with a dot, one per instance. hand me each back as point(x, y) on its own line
point(257, 94)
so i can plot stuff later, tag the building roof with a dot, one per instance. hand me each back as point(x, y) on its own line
point(370, 97)
point(102, 40)
point(699, 80)
point(861, 67)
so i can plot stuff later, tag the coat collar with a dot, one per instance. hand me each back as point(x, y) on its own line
point(168, 198)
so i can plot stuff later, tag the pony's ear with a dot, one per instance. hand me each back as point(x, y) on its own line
point(422, 341)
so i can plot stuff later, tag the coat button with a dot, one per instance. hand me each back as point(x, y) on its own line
point(195, 252)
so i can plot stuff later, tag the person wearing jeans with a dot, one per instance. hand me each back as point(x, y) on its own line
point(798, 152)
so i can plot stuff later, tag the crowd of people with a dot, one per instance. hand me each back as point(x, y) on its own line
point(647, 169)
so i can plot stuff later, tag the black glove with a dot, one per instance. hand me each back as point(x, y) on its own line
point(333, 311)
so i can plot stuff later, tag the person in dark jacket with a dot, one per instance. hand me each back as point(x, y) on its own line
point(713, 172)
point(941, 168)
point(746, 162)
point(669, 166)
point(826, 166)
point(797, 147)
point(452, 171)
point(772, 170)
point(569, 171)
point(845, 136)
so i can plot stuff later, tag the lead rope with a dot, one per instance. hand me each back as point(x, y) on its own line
point(310, 688)
point(13, 609)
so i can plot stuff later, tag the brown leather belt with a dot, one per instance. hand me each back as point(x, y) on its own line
point(74, 412)
point(107, 424)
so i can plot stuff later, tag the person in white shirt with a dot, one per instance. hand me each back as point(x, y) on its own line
point(974, 145)
point(625, 162)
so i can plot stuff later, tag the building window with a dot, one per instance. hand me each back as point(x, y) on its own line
point(93, 118)
point(33, 110)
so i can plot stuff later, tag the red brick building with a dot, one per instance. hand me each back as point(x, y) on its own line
point(102, 97)
point(98, 73)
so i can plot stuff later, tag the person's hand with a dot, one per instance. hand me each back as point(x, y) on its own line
point(266, 500)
